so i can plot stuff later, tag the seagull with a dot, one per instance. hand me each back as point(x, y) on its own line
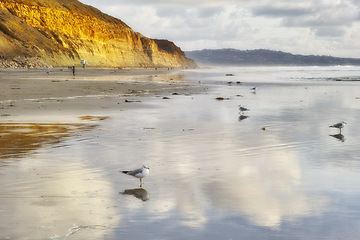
point(339, 125)
point(253, 88)
point(243, 109)
point(139, 173)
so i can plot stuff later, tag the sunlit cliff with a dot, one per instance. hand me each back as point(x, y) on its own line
point(62, 32)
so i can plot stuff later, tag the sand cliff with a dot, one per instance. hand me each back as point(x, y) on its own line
point(61, 33)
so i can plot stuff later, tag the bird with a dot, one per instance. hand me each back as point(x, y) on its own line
point(243, 109)
point(253, 90)
point(139, 173)
point(339, 125)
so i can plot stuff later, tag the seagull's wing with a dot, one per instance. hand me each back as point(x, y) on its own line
point(135, 172)
point(337, 125)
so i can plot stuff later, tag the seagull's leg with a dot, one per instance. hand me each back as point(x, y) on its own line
point(140, 182)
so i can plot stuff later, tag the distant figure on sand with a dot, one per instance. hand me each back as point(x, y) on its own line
point(73, 70)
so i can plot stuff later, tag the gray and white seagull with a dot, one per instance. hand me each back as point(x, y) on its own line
point(243, 109)
point(339, 125)
point(139, 173)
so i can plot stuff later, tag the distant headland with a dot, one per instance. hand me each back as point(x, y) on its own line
point(264, 57)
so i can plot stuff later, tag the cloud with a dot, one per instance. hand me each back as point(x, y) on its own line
point(323, 18)
point(330, 31)
point(272, 11)
point(321, 13)
point(209, 11)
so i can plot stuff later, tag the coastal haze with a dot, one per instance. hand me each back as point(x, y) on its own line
point(276, 171)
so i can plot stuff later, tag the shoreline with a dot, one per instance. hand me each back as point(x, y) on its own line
point(20, 84)
point(33, 96)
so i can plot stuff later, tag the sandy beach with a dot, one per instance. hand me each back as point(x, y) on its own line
point(27, 90)
point(19, 84)
point(39, 109)
point(277, 171)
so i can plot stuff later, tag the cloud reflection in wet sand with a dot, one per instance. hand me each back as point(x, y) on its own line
point(19, 139)
point(211, 174)
point(267, 190)
point(236, 169)
point(50, 198)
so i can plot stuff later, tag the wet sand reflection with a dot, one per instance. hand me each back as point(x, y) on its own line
point(19, 139)
point(211, 174)
point(75, 200)
point(339, 137)
point(242, 117)
point(265, 190)
point(51, 198)
point(139, 193)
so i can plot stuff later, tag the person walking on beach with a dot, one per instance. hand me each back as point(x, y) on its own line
point(73, 70)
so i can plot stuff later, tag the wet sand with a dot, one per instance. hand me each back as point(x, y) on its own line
point(25, 93)
point(19, 84)
point(40, 111)
point(275, 172)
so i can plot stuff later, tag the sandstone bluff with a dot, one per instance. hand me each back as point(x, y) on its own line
point(62, 32)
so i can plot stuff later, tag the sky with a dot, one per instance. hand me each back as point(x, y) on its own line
point(309, 27)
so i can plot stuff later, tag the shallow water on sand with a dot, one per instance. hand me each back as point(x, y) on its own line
point(276, 172)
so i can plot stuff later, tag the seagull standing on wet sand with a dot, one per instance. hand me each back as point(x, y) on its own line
point(339, 125)
point(139, 173)
point(243, 109)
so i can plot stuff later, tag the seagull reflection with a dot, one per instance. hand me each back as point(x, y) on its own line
point(139, 193)
point(339, 136)
point(243, 117)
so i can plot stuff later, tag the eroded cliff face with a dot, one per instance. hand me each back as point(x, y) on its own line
point(61, 32)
